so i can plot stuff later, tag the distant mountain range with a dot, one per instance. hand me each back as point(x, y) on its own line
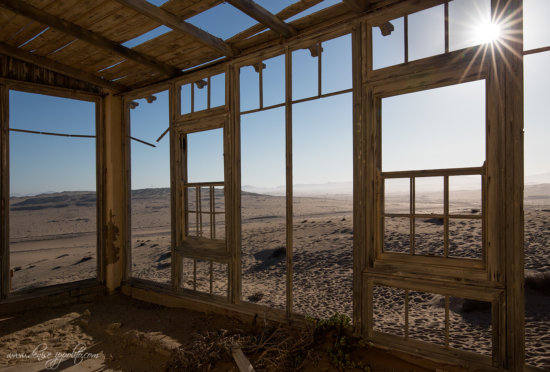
point(534, 185)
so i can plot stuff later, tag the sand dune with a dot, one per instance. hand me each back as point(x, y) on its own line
point(53, 241)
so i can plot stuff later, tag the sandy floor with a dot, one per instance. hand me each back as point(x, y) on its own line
point(58, 245)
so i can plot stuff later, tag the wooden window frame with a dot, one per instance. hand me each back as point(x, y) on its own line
point(5, 87)
point(462, 269)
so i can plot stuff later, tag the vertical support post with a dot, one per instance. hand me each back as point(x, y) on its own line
point(406, 41)
point(359, 195)
point(446, 11)
point(178, 200)
point(289, 188)
point(232, 150)
point(510, 15)
point(116, 255)
point(446, 214)
point(4, 193)
point(413, 212)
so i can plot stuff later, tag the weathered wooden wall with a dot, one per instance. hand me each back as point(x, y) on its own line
point(16, 70)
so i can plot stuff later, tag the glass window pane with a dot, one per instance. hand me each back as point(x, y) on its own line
point(185, 93)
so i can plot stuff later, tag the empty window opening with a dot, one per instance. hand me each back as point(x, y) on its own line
point(448, 27)
point(426, 33)
point(205, 276)
point(535, 24)
point(250, 87)
point(322, 69)
point(336, 64)
point(305, 72)
point(467, 19)
point(263, 208)
point(537, 207)
point(203, 94)
point(150, 189)
point(388, 44)
point(322, 205)
point(203, 255)
point(262, 85)
point(434, 129)
point(439, 212)
point(435, 318)
point(53, 207)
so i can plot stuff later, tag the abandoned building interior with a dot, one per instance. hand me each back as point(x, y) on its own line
point(285, 159)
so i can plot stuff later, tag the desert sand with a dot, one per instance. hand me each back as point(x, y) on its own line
point(53, 241)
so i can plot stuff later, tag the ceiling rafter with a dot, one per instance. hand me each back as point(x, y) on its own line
point(177, 24)
point(29, 11)
point(263, 16)
point(60, 68)
point(358, 6)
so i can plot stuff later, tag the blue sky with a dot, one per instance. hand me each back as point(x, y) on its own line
point(322, 129)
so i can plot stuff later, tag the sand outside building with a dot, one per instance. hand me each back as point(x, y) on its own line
point(364, 157)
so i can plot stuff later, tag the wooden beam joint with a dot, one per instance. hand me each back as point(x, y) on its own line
point(38, 15)
point(263, 16)
point(177, 24)
point(358, 6)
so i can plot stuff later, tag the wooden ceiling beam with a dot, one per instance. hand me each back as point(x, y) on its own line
point(177, 24)
point(263, 16)
point(60, 68)
point(358, 6)
point(29, 11)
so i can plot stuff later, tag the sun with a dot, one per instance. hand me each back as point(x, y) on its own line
point(488, 32)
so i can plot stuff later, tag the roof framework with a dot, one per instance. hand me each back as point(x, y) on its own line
point(84, 40)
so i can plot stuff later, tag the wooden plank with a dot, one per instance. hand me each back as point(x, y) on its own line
point(359, 196)
point(240, 359)
point(284, 14)
point(289, 184)
point(263, 16)
point(203, 248)
point(60, 68)
point(358, 6)
point(174, 22)
point(233, 186)
point(85, 35)
point(4, 193)
point(187, 9)
point(176, 201)
point(116, 247)
point(512, 176)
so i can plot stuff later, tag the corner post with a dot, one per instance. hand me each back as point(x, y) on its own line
point(115, 245)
